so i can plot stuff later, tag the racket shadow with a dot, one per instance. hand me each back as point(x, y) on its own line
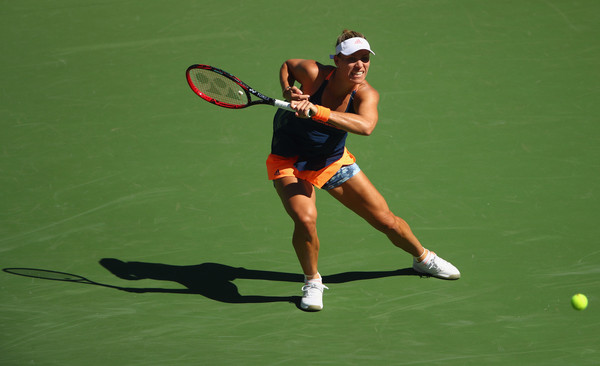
point(215, 281)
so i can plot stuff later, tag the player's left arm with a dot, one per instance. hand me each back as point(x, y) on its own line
point(362, 122)
point(365, 119)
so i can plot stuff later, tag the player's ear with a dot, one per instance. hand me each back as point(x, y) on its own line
point(336, 59)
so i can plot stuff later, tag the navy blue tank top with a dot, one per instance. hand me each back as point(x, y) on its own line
point(316, 145)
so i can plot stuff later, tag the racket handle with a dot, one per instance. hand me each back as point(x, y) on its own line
point(283, 105)
point(287, 106)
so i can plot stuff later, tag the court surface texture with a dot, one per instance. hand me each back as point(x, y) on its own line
point(112, 169)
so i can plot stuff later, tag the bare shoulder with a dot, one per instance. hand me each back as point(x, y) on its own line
point(310, 73)
point(367, 93)
point(303, 69)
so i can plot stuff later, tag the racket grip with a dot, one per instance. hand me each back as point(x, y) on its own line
point(287, 106)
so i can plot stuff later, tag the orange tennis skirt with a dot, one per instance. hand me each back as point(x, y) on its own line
point(280, 166)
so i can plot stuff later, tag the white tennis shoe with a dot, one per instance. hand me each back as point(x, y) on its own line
point(436, 267)
point(312, 297)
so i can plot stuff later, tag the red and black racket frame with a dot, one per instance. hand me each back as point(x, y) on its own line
point(247, 89)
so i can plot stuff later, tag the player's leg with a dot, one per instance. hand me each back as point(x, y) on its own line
point(299, 199)
point(359, 194)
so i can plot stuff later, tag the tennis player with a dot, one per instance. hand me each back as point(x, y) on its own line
point(311, 152)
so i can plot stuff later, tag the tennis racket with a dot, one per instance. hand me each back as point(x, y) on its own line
point(225, 90)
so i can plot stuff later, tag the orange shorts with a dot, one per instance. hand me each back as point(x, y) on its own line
point(280, 166)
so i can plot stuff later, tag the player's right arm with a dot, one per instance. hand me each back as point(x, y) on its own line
point(305, 72)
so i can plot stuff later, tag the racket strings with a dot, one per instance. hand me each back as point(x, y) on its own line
point(218, 87)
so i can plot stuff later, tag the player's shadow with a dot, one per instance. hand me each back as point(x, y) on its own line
point(215, 281)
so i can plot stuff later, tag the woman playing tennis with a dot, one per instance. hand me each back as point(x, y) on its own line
point(310, 151)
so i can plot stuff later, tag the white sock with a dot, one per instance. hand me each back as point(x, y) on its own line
point(318, 280)
point(426, 258)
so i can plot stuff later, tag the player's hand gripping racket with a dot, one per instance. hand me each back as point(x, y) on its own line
point(225, 90)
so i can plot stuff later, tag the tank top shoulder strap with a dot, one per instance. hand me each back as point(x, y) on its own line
point(329, 75)
point(350, 107)
point(316, 97)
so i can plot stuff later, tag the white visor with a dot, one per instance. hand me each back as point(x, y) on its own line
point(352, 45)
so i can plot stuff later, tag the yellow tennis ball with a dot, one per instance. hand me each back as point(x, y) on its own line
point(579, 301)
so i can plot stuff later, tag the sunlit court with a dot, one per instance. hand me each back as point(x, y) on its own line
point(138, 225)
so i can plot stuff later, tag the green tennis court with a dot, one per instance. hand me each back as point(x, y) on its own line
point(113, 170)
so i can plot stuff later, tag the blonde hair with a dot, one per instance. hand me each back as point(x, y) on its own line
point(347, 34)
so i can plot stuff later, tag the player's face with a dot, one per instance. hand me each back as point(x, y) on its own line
point(355, 65)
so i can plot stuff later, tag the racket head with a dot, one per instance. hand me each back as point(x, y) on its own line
point(46, 274)
point(218, 87)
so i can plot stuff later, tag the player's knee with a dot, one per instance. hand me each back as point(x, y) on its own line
point(306, 220)
point(387, 222)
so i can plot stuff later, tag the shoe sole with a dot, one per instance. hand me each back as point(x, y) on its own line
point(311, 307)
point(450, 277)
